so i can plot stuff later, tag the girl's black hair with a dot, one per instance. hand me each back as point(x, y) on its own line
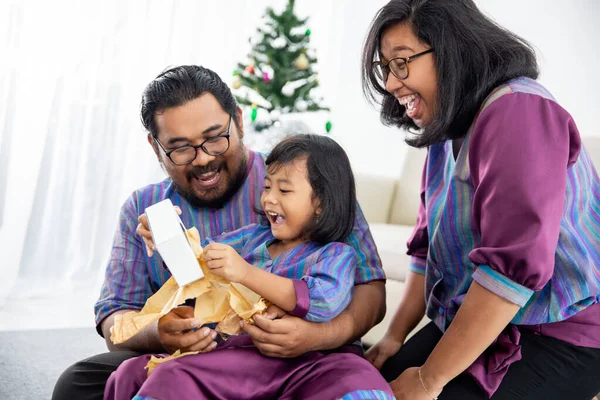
point(472, 54)
point(332, 181)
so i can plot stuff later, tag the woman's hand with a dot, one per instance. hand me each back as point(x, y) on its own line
point(408, 386)
point(382, 350)
point(143, 229)
point(225, 262)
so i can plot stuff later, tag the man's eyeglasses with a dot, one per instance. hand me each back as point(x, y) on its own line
point(398, 66)
point(213, 146)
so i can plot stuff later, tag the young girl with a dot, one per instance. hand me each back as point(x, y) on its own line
point(296, 260)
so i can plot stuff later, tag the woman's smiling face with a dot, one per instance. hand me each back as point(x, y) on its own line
point(418, 92)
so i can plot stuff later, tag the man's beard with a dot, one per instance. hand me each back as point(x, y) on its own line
point(235, 183)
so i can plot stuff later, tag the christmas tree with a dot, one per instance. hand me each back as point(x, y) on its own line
point(279, 76)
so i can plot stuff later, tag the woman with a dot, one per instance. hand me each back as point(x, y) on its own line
point(507, 242)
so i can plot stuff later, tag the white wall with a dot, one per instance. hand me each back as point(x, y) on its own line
point(567, 38)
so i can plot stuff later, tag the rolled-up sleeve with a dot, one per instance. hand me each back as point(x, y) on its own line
point(418, 243)
point(330, 282)
point(519, 153)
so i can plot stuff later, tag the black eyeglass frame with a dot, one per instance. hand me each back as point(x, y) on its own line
point(406, 60)
point(225, 134)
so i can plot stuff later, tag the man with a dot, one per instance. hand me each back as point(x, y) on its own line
point(195, 128)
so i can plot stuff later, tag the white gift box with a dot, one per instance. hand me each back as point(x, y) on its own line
point(172, 243)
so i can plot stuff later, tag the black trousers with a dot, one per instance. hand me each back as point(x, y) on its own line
point(549, 369)
point(86, 379)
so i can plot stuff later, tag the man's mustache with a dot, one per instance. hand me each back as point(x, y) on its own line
point(199, 170)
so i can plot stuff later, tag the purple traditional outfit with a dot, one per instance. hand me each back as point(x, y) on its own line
point(323, 278)
point(517, 210)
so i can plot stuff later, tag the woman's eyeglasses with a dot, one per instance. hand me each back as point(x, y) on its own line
point(398, 66)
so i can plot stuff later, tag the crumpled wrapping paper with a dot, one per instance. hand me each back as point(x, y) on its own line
point(217, 301)
point(156, 361)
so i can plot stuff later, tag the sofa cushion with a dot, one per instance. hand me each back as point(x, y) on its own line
point(391, 244)
point(374, 194)
point(407, 196)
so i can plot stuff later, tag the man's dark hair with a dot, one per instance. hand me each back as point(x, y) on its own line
point(472, 54)
point(330, 176)
point(179, 85)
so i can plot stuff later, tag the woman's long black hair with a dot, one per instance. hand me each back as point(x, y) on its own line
point(472, 54)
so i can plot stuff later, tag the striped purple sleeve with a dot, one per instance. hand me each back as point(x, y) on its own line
point(330, 282)
point(519, 153)
point(369, 266)
point(418, 243)
point(236, 239)
point(126, 283)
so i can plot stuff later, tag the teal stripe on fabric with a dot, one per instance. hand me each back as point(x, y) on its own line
point(368, 395)
point(417, 265)
point(502, 286)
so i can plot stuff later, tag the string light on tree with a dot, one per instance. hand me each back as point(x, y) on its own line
point(254, 113)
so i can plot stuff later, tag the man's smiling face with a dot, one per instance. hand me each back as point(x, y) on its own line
point(208, 181)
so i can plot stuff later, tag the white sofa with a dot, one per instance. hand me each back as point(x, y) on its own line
point(390, 205)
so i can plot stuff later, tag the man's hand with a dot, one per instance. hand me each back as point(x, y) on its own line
point(176, 332)
point(225, 262)
point(143, 229)
point(291, 336)
point(382, 350)
point(277, 334)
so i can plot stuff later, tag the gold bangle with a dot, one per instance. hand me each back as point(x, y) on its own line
point(423, 384)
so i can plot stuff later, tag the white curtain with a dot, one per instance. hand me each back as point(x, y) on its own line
point(71, 144)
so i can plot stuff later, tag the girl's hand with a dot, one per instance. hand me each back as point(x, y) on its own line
point(408, 387)
point(224, 261)
point(143, 229)
point(382, 350)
